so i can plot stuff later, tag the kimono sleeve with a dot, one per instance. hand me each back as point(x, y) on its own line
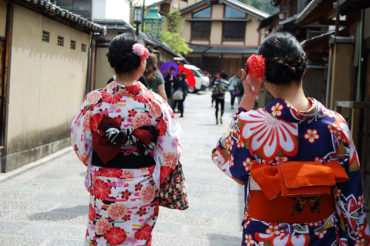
point(230, 154)
point(168, 149)
point(81, 136)
point(354, 229)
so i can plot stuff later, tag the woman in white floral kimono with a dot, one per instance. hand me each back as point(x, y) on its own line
point(128, 137)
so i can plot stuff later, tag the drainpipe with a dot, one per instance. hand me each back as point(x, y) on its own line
point(92, 63)
point(360, 57)
point(328, 80)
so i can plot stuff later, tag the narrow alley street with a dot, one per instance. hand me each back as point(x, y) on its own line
point(48, 205)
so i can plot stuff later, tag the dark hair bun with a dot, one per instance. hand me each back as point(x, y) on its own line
point(285, 58)
point(120, 55)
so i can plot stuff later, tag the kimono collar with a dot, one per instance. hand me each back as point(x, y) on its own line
point(281, 109)
point(134, 89)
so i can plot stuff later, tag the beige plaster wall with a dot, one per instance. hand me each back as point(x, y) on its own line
point(199, 42)
point(251, 33)
point(233, 43)
point(103, 71)
point(217, 11)
point(216, 33)
point(2, 18)
point(185, 31)
point(47, 82)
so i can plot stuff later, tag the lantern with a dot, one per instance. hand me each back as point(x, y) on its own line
point(153, 20)
point(138, 12)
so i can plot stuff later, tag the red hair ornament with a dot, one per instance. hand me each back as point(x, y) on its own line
point(255, 66)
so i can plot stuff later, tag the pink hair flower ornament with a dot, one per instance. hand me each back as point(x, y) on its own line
point(140, 50)
point(255, 66)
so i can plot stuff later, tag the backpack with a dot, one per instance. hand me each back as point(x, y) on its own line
point(219, 88)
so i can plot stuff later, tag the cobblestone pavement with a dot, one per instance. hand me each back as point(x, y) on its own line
point(48, 204)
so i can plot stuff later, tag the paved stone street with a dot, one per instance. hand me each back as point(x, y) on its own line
point(48, 205)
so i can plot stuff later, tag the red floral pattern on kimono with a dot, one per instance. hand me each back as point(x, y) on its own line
point(124, 202)
point(279, 133)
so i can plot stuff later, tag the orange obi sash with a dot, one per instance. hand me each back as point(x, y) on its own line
point(293, 192)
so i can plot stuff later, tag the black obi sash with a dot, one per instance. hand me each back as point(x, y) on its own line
point(124, 161)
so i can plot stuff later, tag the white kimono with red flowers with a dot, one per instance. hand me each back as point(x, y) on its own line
point(124, 202)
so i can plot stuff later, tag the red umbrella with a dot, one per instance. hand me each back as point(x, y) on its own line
point(189, 75)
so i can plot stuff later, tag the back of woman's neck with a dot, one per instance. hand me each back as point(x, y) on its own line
point(295, 96)
point(126, 79)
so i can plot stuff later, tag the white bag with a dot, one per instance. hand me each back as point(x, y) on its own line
point(178, 95)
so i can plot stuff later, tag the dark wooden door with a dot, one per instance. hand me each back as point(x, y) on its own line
point(2, 92)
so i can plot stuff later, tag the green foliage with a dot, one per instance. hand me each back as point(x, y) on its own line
point(176, 42)
point(264, 5)
point(172, 36)
point(174, 19)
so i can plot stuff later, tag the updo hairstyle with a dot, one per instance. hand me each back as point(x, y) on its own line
point(120, 55)
point(285, 58)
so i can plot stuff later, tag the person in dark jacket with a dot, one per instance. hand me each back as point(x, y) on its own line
point(170, 80)
point(218, 93)
point(180, 84)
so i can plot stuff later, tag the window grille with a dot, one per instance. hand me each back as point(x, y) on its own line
point(60, 41)
point(45, 36)
point(73, 44)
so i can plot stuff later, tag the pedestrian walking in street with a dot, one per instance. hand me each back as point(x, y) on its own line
point(181, 88)
point(128, 138)
point(218, 94)
point(295, 157)
point(154, 77)
point(170, 80)
point(233, 89)
point(211, 83)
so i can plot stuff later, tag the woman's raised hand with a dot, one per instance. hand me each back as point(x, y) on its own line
point(251, 89)
point(251, 85)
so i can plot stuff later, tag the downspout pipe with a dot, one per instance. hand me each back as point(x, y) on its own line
point(358, 96)
point(328, 80)
point(91, 63)
point(90, 85)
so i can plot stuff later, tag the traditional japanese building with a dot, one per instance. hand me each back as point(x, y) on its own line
point(221, 33)
point(44, 74)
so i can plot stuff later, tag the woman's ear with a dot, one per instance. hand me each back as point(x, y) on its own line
point(143, 63)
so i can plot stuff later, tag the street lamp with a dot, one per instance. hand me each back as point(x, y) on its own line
point(153, 20)
point(138, 11)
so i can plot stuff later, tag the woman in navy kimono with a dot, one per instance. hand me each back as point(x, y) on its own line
point(295, 157)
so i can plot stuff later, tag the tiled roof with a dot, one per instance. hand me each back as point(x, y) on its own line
point(158, 43)
point(234, 3)
point(67, 17)
point(248, 8)
point(307, 10)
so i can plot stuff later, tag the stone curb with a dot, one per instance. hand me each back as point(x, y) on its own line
point(8, 175)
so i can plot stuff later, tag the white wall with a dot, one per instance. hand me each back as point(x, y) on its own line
point(111, 9)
